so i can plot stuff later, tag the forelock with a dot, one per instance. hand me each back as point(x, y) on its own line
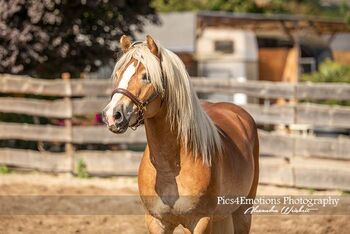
point(151, 63)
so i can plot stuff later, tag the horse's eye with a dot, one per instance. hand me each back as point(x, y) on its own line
point(145, 78)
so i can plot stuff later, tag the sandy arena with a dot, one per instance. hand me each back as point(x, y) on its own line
point(44, 184)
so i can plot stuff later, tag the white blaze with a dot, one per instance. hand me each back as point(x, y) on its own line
point(124, 83)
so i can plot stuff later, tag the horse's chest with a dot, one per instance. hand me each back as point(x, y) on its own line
point(174, 195)
point(171, 188)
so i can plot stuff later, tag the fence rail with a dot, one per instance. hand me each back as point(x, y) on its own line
point(299, 171)
point(275, 144)
point(294, 160)
point(260, 89)
point(310, 114)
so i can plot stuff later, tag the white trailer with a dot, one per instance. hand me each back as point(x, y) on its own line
point(228, 54)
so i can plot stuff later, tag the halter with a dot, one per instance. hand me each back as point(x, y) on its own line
point(141, 105)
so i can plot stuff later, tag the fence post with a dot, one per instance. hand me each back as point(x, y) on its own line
point(69, 148)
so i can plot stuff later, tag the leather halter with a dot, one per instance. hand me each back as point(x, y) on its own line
point(141, 105)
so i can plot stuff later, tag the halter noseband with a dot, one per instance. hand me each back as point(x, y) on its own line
point(141, 105)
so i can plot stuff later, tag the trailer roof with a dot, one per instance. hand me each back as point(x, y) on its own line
point(177, 30)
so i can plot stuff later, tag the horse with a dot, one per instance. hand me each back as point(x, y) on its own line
point(197, 153)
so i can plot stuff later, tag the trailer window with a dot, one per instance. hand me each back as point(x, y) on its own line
point(224, 46)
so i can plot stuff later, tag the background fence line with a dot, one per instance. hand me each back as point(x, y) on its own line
point(288, 159)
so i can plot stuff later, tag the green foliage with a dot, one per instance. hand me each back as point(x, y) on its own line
point(329, 71)
point(345, 12)
point(81, 169)
point(214, 5)
point(178, 5)
point(306, 7)
point(4, 170)
point(332, 72)
point(234, 5)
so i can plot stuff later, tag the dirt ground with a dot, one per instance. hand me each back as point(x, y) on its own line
point(44, 184)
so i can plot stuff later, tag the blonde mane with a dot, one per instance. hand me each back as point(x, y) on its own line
point(195, 129)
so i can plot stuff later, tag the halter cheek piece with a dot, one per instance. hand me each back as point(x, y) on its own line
point(141, 105)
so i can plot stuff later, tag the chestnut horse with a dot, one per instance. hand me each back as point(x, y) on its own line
point(196, 152)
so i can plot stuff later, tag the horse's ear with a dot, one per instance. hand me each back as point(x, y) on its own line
point(125, 43)
point(151, 44)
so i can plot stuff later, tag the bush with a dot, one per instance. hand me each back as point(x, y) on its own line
point(81, 169)
point(4, 169)
point(331, 72)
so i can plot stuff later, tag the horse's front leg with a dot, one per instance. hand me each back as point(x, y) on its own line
point(203, 226)
point(156, 226)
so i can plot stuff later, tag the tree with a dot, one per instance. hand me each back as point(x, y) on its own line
point(48, 37)
point(306, 7)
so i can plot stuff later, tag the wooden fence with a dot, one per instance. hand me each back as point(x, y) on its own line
point(287, 159)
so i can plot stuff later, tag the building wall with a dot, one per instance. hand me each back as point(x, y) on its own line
point(341, 48)
point(342, 57)
point(272, 62)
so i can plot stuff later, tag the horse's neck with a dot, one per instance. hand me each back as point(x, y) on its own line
point(163, 143)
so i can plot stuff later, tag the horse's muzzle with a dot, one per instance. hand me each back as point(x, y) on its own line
point(118, 122)
point(118, 128)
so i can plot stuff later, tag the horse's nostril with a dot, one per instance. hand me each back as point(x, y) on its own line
point(118, 116)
